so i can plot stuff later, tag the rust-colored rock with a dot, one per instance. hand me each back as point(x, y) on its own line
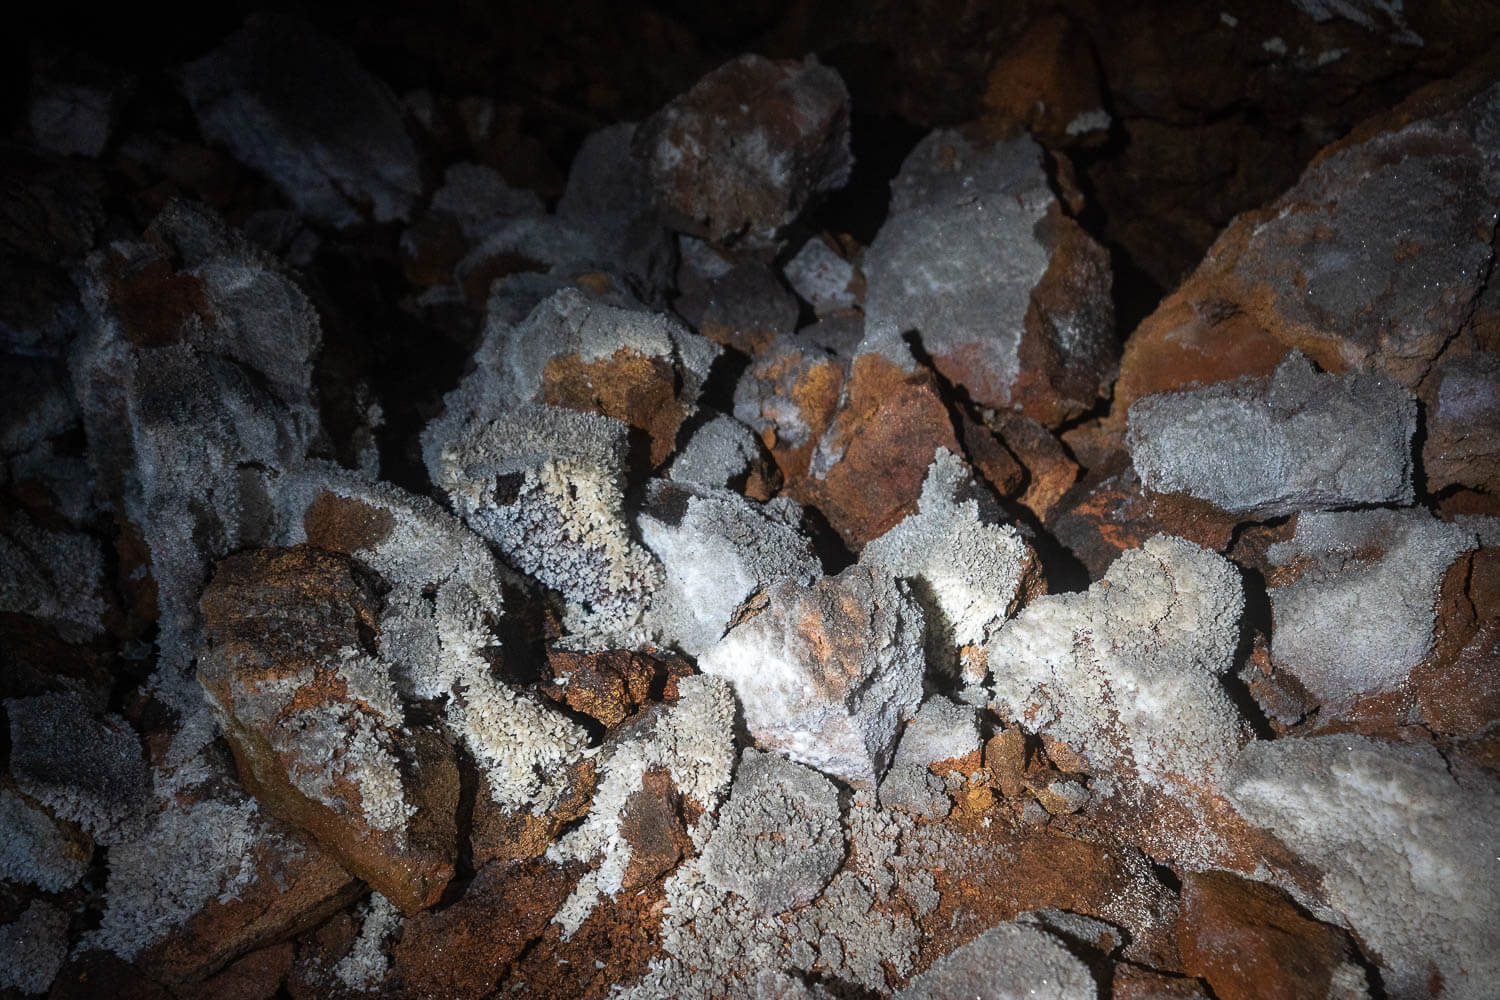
point(315, 723)
point(652, 823)
point(637, 390)
point(500, 834)
point(791, 391)
point(1249, 941)
point(463, 950)
point(1046, 83)
point(1461, 415)
point(256, 976)
point(612, 685)
point(867, 471)
point(1050, 470)
point(345, 524)
point(1131, 982)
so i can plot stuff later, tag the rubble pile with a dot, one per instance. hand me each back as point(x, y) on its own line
point(433, 568)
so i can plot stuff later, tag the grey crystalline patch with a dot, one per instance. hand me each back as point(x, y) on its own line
point(958, 256)
point(779, 838)
point(1354, 624)
point(1387, 822)
point(1013, 961)
point(1296, 440)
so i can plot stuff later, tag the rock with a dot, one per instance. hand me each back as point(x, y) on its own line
point(612, 685)
point(195, 380)
point(630, 829)
point(318, 730)
point(717, 551)
point(69, 114)
point(724, 453)
point(39, 850)
point(437, 634)
point(298, 107)
point(252, 977)
point(1269, 447)
point(736, 300)
point(1460, 411)
point(1050, 471)
point(545, 485)
point(866, 472)
point(1383, 821)
point(1354, 600)
point(609, 196)
point(824, 278)
point(968, 571)
point(33, 948)
point(1006, 962)
point(826, 673)
point(472, 200)
point(1131, 982)
point(501, 830)
point(210, 879)
point(1126, 679)
point(1009, 297)
point(941, 733)
point(85, 766)
point(1249, 941)
point(779, 838)
point(506, 907)
point(741, 154)
point(53, 577)
point(791, 391)
point(1318, 269)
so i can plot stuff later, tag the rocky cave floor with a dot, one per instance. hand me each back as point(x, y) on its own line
point(535, 502)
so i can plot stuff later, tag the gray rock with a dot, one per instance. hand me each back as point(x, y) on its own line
point(1007, 962)
point(1296, 440)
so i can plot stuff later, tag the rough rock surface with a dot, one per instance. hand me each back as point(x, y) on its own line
point(1388, 821)
point(1007, 962)
point(741, 154)
point(1009, 297)
point(1272, 446)
point(298, 106)
point(318, 729)
point(1356, 598)
point(826, 673)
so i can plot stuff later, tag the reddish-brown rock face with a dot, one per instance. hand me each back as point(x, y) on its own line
point(868, 468)
point(315, 722)
point(1249, 941)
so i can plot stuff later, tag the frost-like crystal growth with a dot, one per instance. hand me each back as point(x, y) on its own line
point(1297, 440)
point(34, 850)
point(1127, 673)
point(298, 107)
point(1008, 962)
point(33, 947)
point(968, 571)
point(779, 838)
point(716, 550)
point(1410, 856)
point(827, 673)
point(1361, 613)
point(719, 453)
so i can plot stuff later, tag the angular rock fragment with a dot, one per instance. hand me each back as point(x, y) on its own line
point(867, 469)
point(86, 767)
point(942, 730)
point(967, 571)
point(37, 849)
point(823, 279)
point(1127, 673)
point(691, 746)
point(827, 673)
point(741, 154)
point(473, 200)
point(1355, 600)
point(792, 389)
point(779, 838)
point(436, 634)
point(317, 726)
point(1318, 269)
point(1272, 446)
point(195, 380)
point(733, 299)
point(612, 685)
point(717, 551)
point(55, 578)
point(1009, 297)
point(544, 484)
point(725, 453)
point(1385, 822)
point(33, 948)
point(609, 196)
point(298, 107)
point(1008, 962)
